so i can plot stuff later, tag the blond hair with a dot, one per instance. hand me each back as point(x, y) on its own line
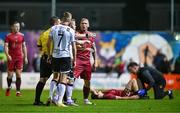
point(73, 24)
point(67, 16)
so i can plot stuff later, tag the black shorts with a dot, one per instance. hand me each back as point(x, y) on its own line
point(62, 65)
point(45, 68)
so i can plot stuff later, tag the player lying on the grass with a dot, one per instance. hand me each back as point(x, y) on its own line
point(131, 91)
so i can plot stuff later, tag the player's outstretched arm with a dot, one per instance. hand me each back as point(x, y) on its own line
point(79, 36)
point(134, 97)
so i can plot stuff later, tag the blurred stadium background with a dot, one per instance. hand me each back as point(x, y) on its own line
point(126, 30)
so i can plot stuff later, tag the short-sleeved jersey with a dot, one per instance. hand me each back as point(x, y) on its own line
point(15, 42)
point(84, 53)
point(62, 37)
point(42, 41)
point(111, 94)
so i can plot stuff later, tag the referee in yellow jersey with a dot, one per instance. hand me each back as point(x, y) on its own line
point(45, 68)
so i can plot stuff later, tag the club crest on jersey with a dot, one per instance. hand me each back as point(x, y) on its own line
point(68, 29)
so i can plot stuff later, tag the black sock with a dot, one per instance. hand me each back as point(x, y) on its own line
point(166, 92)
point(39, 89)
point(86, 91)
point(9, 81)
point(18, 84)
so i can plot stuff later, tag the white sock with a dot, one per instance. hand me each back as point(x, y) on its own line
point(169, 92)
point(56, 98)
point(52, 89)
point(62, 89)
point(69, 90)
point(86, 100)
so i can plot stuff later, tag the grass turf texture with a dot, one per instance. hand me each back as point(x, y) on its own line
point(13, 104)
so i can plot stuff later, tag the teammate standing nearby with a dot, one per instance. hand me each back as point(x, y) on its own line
point(62, 37)
point(83, 66)
point(16, 53)
point(45, 67)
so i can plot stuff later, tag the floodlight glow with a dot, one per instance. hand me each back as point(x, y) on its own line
point(177, 37)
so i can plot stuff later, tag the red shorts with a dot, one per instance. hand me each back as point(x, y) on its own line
point(15, 64)
point(126, 94)
point(83, 69)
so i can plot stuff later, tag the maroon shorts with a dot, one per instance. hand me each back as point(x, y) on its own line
point(83, 69)
point(15, 64)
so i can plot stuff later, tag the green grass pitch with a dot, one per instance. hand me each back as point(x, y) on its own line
point(13, 104)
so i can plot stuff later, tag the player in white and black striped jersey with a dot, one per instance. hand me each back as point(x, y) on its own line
point(62, 36)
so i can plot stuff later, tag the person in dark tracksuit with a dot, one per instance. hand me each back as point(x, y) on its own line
point(153, 78)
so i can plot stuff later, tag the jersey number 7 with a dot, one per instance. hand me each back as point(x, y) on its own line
point(60, 36)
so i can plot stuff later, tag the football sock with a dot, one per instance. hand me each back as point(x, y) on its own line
point(39, 89)
point(69, 90)
point(56, 96)
point(53, 85)
point(86, 91)
point(65, 97)
point(62, 89)
point(9, 81)
point(18, 84)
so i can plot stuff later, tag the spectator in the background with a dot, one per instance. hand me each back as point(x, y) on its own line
point(161, 62)
point(119, 66)
point(146, 51)
point(177, 65)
